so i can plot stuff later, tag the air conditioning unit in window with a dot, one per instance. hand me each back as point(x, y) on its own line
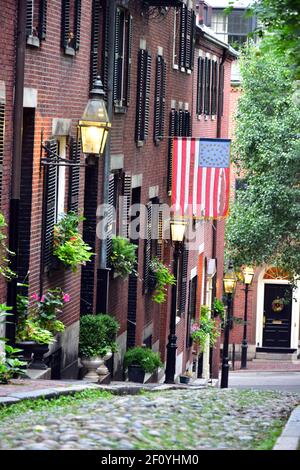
point(162, 3)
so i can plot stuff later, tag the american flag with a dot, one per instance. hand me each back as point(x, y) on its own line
point(201, 177)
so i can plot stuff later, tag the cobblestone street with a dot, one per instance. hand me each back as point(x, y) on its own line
point(198, 419)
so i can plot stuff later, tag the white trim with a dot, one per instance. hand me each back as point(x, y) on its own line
point(261, 282)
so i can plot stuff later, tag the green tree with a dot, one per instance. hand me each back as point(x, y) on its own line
point(264, 225)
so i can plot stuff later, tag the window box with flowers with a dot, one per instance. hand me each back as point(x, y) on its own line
point(160, 278)
point(69, 246)
point(38, 324)
point(205, 331)
point(123, 259)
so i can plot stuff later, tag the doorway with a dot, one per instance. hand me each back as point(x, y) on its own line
point(277, 316)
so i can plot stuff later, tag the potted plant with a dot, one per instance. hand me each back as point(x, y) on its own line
point(10, 364)
point(186, 377)
point(205, 329)
point(97, 341)
point(69, 246)
point(123, 258)
point(161, 278)
point(139, 360)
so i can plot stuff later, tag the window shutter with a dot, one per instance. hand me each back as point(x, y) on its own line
point(147, 94)
point(188, 39)
point(105, 48)
point(221, 103)
point(173, 118)
point(126, 205)
point(182, 36)
point(95, 41)
point(110, 218)
point(65, 23)
point(147, 247)
point(118, 56)
point(77, 23)
point(129, 58)
point(163, 98)
point(2, 127)
point(157, 98)
point(192, 48)
point(42, 19)
point(50, 176)
point(74, 176)
point(214, 87)
point(29, 17)
point(200, 81)
point(139, 101)
point(183, 286)
point(187, 124)
point(180, 132)
point(207, 87)
point(160, 235)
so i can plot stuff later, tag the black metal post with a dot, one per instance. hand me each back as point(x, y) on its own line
point(244, 342)
point(225, 360)
point(172, 338)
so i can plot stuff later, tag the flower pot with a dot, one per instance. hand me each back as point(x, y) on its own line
point(183, 379)
point(103, 370)
point(92, 364)
point(136, 374)
point(39, 350)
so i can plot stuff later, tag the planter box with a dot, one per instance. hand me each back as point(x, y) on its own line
point(136, 374)
point(183, 379)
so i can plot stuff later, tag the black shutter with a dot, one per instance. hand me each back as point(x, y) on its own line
point(207, 87)
point(95, 41)
point(180, 131)
point(187, 124)
point(129, 58)
point(182, 36)
point(188, 39)
point(110, 218)
point(77, 23)
point(191, 309)
point(192, 48)
point(157, 99)
point(173, 118)
point(2, 121)
point(214, 87)
point(221, 78)
point(160, 235)
point(126, 205)
point(163, 98)
point(200, 81)
point(65, 23)
point(147, 247)
point(183, 287)
point(106, 48)
point(118, 56)
point(147, 94)
point(29, 17)
point(42, 19)
point(50, 177)
point(74, 176)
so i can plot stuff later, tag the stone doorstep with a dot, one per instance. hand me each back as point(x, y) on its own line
point(290, 436)
point(123, 388)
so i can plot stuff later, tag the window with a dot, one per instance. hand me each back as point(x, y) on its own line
point(191, 309)
point(182, 282)
point(36, 21)
point(184, 33)
point(233, 28)
point(122, 62)
point(60, 181)
point(160, 99)
point(70, 26)
point(207, 86)
point(143, 96)
point(153, 239)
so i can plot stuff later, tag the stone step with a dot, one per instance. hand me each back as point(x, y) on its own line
point(265, 356)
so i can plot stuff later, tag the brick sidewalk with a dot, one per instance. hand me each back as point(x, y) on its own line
point(271, 366)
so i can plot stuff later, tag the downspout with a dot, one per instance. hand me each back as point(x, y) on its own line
point(16, 164)
point(103, 285)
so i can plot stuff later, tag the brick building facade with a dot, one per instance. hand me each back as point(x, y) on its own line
point(154, 56)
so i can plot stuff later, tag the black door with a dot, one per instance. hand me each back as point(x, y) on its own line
point(277, 316)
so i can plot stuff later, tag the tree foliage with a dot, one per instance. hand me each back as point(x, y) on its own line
point(264, 225)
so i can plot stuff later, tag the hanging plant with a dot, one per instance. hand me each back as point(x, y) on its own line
point(163, 278)
point(123, 257)
point(219, 308)
point(69, 246)
point(5, 270)
point(204, 329)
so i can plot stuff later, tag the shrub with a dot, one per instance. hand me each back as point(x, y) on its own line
point(97, 335)
point(143, 357)
point(123, 256)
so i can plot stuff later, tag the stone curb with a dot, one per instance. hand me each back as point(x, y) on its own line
point(290, 436)
point(128, 389)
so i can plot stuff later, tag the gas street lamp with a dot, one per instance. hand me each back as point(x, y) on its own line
point(248, 274)
point(229, 282)
point(94, 124)
point(177, 235)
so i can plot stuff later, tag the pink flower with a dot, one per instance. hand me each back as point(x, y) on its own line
point(42, 298)
point(35, 297)
point(66, 298)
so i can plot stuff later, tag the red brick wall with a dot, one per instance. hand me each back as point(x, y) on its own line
point(8, 19)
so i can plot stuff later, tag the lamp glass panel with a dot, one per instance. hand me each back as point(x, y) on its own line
point(92, 139)
point(248, 275)
point(177, 231)
point(95, 111)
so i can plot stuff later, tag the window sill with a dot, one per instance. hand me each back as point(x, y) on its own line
point(33, 41)
point(178, 319)
point(213, 118)
point(140, 143)
point(69, 51)
point(120, 109)
point(199, 117)
point(175, 67)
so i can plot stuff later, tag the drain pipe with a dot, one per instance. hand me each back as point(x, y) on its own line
point(16, 165)
point(103, 272)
